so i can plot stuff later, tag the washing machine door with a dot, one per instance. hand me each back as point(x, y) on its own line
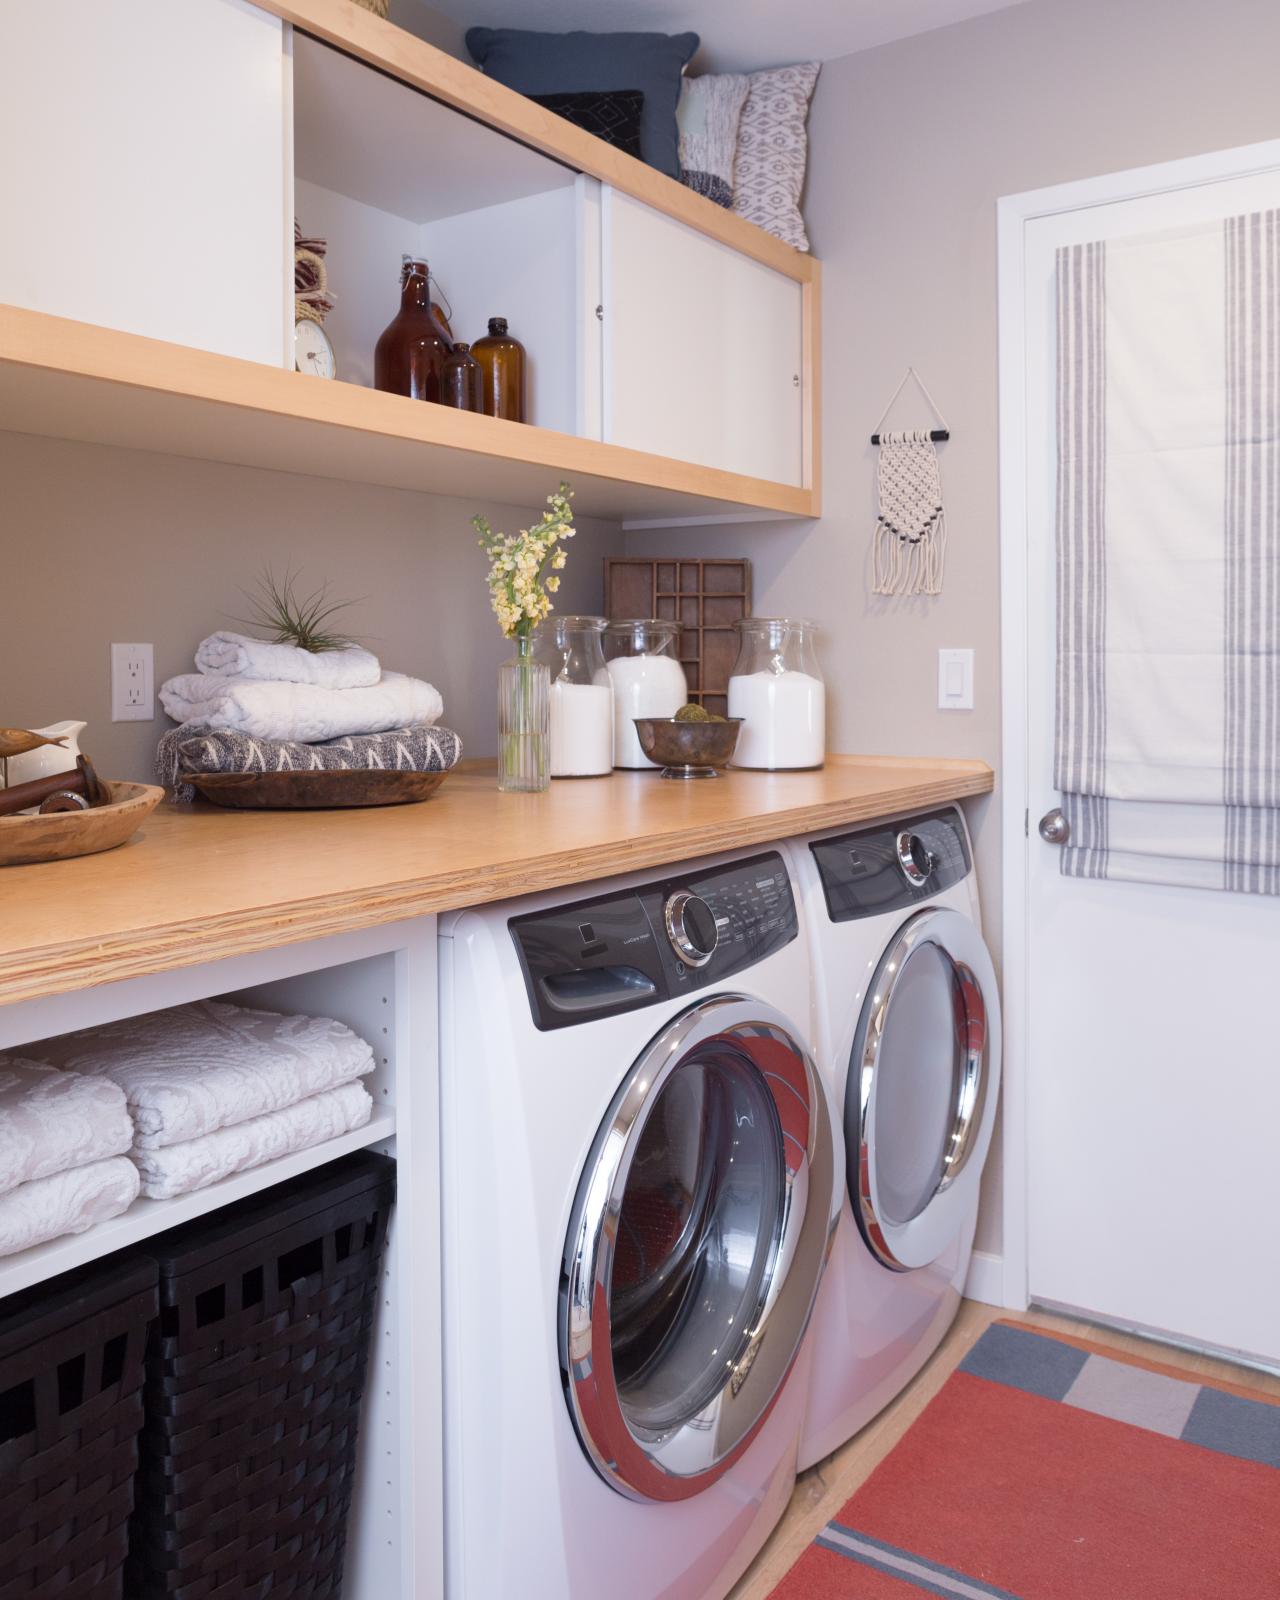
point(697, 1242)
point(921, 1093)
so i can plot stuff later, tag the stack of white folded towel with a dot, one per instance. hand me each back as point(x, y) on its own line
point(165, 1104)
point(63, 1161)
point(214, 1088)
point(278, 691)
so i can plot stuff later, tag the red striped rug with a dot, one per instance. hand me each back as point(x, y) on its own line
point(1050, 1468)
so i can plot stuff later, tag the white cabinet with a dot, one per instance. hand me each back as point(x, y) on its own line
point(143, 182)
point(703, 347)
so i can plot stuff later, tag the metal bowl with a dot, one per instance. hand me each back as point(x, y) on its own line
point(688, 749)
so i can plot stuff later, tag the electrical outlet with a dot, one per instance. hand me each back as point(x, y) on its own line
point(133, 683)
point(955, 680)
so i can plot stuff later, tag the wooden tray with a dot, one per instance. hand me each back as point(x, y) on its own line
point(705, 596)
point(65, 834)
point(314, 791)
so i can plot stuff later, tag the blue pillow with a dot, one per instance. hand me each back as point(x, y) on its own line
point(570, 63)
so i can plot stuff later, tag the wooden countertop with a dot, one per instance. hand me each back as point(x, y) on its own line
point(198, 884)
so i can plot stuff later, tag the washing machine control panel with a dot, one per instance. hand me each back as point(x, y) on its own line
point(636, 947)
point(892, 866)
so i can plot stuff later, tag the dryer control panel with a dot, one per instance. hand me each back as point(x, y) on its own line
point(658, 941)
point(892, 866)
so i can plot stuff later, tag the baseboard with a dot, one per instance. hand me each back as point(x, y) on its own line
point(986, 1278)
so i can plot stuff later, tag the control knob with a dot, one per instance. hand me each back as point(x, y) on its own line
point(914, 858)
point(691, 927)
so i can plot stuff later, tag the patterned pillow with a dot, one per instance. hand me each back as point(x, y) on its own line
point(611, 114)
point(768, 174)
point(707, 117)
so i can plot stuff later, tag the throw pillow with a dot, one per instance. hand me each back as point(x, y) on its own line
point(768, 174)
point(569, 63)
point(612, 115)
point(707, 118)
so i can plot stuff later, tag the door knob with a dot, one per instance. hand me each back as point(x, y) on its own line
point(1054, 827)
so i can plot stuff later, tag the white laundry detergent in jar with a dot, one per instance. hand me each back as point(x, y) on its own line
point(778, 691)
point(647, 679)
point(581, 717)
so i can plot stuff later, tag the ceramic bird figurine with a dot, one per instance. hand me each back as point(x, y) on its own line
point(17, 741)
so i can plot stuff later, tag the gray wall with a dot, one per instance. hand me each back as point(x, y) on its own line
point(103, 544)
point(911, 145)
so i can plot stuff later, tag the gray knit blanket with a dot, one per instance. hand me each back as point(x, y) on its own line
point(188, 749)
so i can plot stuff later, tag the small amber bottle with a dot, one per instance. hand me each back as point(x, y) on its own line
point(463, 379)
point(502, 358)
point(410, 354)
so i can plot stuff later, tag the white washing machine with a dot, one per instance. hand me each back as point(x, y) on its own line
point(640, 1188)
point(907, 1025)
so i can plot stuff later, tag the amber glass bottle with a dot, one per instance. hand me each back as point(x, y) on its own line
point(410, 354)
point(502, 358)
point(463, 379)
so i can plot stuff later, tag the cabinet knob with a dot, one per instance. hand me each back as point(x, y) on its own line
point(795, 380)
point(599, 313)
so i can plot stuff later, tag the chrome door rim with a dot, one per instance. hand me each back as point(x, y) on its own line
point(686, 1459)
point(957, 939)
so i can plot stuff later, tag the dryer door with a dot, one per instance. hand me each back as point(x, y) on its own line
point(699, 1234)
point(920, 1100)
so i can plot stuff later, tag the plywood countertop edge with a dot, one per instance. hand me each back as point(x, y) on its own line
point(88, 962)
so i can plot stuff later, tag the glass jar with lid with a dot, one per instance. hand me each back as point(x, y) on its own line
point(778, 691)
point(643, 660)
point(581, 743)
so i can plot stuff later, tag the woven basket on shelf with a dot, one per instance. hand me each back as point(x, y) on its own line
point(71, 1364)
point(379, 7)
point(254, 1382)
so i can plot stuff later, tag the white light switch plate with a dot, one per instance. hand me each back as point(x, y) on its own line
point(133, 683)
point(955, 680)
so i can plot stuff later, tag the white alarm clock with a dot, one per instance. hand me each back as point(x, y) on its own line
point(312, 351)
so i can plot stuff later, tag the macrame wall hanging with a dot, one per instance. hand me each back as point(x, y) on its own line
point(911, 525)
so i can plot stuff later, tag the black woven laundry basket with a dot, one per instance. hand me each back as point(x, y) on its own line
point(254, 1379)
point(71, 1365)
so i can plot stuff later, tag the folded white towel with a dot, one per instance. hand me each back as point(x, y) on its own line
point(50, 1121)
point(235, 655)
point(68, 1202)
point(299, 710)
point(198, 1068)
point(196, 1163)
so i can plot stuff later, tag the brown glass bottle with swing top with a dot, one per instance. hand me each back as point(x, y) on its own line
point(409, 357)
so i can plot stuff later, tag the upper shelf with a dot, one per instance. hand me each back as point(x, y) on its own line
point(412, 61)
point(75, 380)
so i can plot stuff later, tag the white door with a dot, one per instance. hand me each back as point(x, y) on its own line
point(702, 348)
point(1143, 1045)
point(143, 181)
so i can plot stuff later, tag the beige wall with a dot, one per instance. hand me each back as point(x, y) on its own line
point(912, 145)
point(103, 544)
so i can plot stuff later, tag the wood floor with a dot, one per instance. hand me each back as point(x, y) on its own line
point(823, 1489)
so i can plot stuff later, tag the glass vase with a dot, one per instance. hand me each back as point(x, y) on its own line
point(524, 718)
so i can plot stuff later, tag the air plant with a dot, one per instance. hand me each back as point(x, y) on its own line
point(278, 610)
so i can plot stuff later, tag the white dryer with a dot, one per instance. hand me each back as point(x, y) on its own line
point(907, 1023)
point(639, 1188)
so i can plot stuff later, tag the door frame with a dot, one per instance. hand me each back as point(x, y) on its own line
point(1014, 213)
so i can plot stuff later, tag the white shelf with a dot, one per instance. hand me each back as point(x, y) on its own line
point(145, 1218)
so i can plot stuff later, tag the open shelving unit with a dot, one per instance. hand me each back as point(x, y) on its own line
point(391, 146)
point(381, 983)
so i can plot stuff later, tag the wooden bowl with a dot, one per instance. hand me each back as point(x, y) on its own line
point(64, 834)
point(314, 791)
